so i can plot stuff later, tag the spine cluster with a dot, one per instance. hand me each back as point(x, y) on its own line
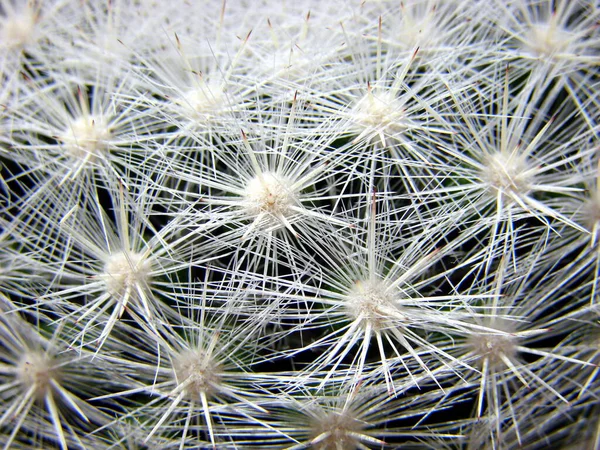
point(326, 225)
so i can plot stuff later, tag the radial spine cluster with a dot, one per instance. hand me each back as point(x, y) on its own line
point(330, 225)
